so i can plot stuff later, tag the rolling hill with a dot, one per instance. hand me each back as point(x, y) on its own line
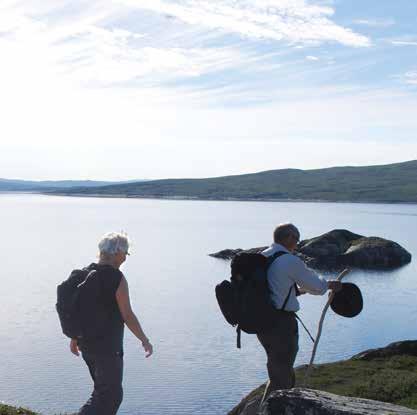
point(383, 183)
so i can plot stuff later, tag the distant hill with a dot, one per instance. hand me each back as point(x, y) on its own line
point(10, 185)
point(386, 183)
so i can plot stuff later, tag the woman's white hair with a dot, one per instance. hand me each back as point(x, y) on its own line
point(112, 243)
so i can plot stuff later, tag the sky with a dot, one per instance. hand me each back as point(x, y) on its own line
point(148, 89)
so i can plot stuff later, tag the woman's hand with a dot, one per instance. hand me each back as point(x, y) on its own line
point(147, 346)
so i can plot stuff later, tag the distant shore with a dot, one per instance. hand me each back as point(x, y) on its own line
point(228, 199)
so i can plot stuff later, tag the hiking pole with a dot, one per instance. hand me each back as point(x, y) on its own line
point(323, 314)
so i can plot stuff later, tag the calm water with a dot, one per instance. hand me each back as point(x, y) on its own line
point(196, 368)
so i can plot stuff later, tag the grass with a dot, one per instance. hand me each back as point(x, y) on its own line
point(392, 380)
point(10, 410)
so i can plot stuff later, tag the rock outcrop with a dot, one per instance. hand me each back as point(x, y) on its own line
point(406, 347)
point(387, 374)
point(313, 402)
point(341, 248)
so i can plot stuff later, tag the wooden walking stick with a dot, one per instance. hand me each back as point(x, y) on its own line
point(265, 392)
point(323, 314)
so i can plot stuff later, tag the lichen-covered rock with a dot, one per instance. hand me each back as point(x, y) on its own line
point(341, 248)
point(312, 402)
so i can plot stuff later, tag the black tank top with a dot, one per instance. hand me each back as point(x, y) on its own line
point(112, 341)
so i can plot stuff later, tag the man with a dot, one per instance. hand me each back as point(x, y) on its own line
point(287, 276)
point(104, 355)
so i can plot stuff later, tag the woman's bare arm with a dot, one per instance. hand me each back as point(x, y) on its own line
point(129, 317)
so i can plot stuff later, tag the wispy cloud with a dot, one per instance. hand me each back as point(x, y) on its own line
point(410, 78)
point(88, 53)
point(375, 22)
point(92, 47)
point(404, 42)
point(288, 20)
point(312, 58)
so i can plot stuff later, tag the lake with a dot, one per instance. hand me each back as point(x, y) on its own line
point(196, 368)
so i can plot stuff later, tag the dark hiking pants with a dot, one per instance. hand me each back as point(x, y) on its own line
point(107, 372)
point(281, 346)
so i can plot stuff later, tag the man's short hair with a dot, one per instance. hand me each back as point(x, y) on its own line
point(112, 243)
point(284, 230)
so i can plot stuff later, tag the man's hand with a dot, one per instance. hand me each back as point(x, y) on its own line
point(147, 347)
point(74, 347)
point(334, 285)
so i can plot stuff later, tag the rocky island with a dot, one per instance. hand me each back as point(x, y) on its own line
point(341, 248)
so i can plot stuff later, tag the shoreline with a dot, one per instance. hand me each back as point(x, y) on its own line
point(200, 199)
point(228, 199)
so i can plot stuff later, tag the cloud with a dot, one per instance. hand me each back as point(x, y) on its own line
point(92, 45)
point(375, 22)
point(90, 54)
point(312, 58)
point(404, 42)
point(410, 78)
point(288, 20)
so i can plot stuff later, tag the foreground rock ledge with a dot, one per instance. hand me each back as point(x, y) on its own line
point(387, 374)
point(340, 248)
point(312, 402)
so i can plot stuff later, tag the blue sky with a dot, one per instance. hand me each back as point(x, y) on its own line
point(192, 88)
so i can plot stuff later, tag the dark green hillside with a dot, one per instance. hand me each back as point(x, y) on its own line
point(388, 183)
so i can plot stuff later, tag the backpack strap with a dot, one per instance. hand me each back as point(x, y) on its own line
point(305, 328)
point(272, 258)
point(287, 298)
point(89, 275)
point(238, 337)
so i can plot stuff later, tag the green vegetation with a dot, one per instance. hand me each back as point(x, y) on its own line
point(389, 183)
point(392, 379)
point(9, 410)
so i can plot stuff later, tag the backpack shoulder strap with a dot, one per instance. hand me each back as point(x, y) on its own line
point(272, 258)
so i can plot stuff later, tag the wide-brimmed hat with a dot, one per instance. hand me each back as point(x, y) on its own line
point(347, 302)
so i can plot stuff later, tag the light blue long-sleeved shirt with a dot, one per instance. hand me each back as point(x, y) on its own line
point(286, 271)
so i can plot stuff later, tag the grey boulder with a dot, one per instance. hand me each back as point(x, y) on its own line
point(312, 402)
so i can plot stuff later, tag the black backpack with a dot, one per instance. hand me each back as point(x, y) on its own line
point(80, 308)
point(245, 300)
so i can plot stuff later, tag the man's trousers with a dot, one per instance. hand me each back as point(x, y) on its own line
point(281, 346)
point(106, 371)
